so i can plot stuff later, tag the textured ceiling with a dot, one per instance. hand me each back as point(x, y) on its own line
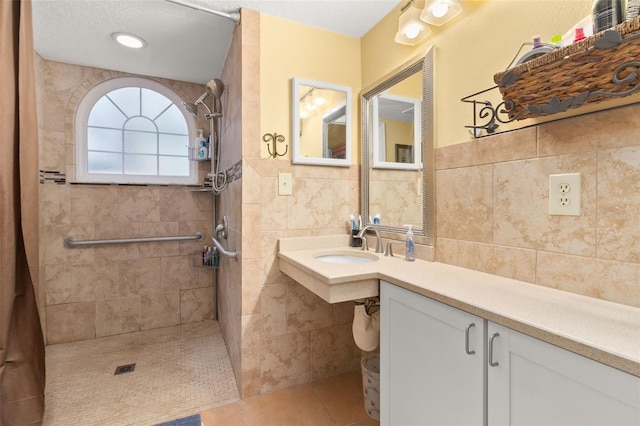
point(182, 43)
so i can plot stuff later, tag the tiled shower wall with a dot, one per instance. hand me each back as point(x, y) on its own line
point(492, 205)
point(229, 201)
point(288, 335)
point(105, 290)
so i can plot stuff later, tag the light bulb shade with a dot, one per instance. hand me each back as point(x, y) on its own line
point(438, 12)
point(411, 29)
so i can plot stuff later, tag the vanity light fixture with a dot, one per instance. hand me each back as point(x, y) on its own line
point(310, 105)
point(310, 102)
point(438, 12)
point(129, 40)
point(411, 29)
point(319, 100)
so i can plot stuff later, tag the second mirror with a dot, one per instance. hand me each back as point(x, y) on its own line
point(321, 123)
point(396, 119)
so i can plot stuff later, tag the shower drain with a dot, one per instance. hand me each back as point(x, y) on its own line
point(128, 368)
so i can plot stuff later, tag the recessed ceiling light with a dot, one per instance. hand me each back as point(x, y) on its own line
point(129, 40)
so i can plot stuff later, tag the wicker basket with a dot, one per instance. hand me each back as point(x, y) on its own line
point(575, 75)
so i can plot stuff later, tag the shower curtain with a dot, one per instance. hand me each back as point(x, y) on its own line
point(21, 342)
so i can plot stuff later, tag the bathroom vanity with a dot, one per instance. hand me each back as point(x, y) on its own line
point(440, 364)
point(465, 347)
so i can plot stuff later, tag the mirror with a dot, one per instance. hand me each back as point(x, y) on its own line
point(321, 117)
point(397, 151)
point(396, 116)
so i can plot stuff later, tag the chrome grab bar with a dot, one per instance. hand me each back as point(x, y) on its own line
point(71, 242)
point(466, 339)
point(224, 252)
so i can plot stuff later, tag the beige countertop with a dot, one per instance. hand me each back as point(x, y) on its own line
point(603, 331)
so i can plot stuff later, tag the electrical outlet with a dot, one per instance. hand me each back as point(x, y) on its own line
point(564, 194)
point(284, 184)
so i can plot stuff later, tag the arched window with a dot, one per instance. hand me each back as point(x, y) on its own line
point(132, 130)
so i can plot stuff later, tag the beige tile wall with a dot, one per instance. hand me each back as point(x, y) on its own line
point(106, 290)
point(500, 223)
point(288, 335)
point(229, 202)
point(404, 188)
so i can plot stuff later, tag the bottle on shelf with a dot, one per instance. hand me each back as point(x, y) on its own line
point(606, 14)
point(201, 145)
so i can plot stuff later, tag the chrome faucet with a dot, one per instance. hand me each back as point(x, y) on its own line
point(378, 238)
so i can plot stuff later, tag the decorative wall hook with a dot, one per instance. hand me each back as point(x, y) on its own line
point(275, 138)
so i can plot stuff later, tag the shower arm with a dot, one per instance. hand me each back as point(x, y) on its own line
point(200, 100)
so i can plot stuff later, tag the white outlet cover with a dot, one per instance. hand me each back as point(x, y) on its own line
point(284, 184)
point(564, 194)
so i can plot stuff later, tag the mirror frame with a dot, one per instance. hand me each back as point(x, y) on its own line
point(425, 64)
point(416, 164)
point(296, 158)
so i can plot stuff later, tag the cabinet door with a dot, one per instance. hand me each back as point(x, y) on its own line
point(535, 383)
point(432, 362)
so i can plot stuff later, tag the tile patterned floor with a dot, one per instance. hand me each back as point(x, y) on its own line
point(336, 400)
point(179, 371)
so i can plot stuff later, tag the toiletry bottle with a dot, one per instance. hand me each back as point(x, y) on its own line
point(410, 252)
point(579, 35)
point(633, 9)
point(537, 42)
point(216, 258)
point(203, 150)
point(606, 14)
point(536, 51)
point(201, 145)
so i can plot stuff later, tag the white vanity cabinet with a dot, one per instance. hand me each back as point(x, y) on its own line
point(535, 383)
point(431, 362)
point(438, 369)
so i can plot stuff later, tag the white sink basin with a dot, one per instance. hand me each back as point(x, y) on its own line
point(347, 257)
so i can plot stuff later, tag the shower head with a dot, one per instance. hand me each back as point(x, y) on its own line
point(215, 88)
point(192, 108)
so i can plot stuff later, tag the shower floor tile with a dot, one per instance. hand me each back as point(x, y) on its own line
point(178, 371)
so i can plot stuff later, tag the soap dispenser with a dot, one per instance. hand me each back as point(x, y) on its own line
point(201, 145)
point(410, 252)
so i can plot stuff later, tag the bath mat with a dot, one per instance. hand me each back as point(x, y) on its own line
point(185, 421)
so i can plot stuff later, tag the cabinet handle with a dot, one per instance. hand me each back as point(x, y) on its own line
point(466, 340)
point(491, 363)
